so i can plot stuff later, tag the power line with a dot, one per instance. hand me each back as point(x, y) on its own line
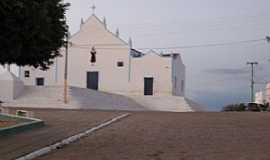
point(209, 45)
point(98, 44)
point(87, 46)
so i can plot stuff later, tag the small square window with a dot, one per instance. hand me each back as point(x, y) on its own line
point(120, 64)
point(40, 81)
point(26, 74)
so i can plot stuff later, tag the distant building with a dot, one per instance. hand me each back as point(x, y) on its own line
point(100, 60)
point(267, 93)
point(264, 96)
point(259, 98)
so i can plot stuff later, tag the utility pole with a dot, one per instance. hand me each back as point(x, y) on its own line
point(252, 64)
point(66, 69)
point(268, 40)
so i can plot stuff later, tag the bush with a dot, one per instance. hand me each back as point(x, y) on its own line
point(252, 107)
point(235, 108)
point(258, 107)
point(265, 107)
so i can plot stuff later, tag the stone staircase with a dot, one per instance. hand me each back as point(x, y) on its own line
point(80, 98)
point(163, 103)
point(91, 99)
point(40, 97)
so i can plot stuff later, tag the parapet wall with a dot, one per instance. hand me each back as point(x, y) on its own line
point(10, 87)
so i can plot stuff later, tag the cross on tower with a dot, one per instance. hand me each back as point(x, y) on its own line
point(93, 9)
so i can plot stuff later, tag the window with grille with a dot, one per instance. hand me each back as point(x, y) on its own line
point(120, 64)
point(26, 74)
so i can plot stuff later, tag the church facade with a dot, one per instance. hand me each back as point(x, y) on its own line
point(99, 59)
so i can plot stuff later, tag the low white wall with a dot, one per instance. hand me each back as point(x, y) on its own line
point(17, 88)
point(6, 91)
point(10, 87)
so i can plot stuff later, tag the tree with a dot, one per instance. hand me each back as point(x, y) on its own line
point(32, 31)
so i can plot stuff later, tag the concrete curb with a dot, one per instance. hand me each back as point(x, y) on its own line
point(31, 123)
point(61, 144)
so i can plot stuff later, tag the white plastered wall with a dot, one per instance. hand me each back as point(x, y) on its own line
point(178, 75)
point(48, 75)
point(267, 93)
point(10, 87)
point(151, 66)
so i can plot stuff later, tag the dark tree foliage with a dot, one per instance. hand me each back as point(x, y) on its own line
point(31, 31)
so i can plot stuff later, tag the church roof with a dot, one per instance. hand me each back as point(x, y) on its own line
point(98, 21)
point(136, 54)
point(163, 55)
point(94, 20)
point(168, 54)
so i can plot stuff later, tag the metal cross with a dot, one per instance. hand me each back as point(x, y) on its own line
point(93, 8)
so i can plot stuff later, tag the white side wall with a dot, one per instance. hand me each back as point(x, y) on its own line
point(6, 91)
point(18, 88)
point(151, 66)
point(10, 87)
point(267, 94)
point(178, 76)
point(259, 98)
point(48, 75)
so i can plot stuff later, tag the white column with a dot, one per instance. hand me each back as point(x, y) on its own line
point(8, 67)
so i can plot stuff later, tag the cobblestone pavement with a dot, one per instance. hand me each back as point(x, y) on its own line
point(176, 136)
point(60, 124)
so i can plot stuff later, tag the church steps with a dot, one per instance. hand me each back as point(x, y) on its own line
point(163, 103)
point(80, 98)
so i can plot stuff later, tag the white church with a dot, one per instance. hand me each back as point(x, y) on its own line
point(100, 60)
point(103, 72)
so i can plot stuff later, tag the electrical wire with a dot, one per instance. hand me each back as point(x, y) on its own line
point(87, 46)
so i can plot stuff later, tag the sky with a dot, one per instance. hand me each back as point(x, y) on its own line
point(216, 76)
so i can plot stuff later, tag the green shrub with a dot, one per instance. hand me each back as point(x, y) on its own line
point(235, 108)
point(252, 107)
